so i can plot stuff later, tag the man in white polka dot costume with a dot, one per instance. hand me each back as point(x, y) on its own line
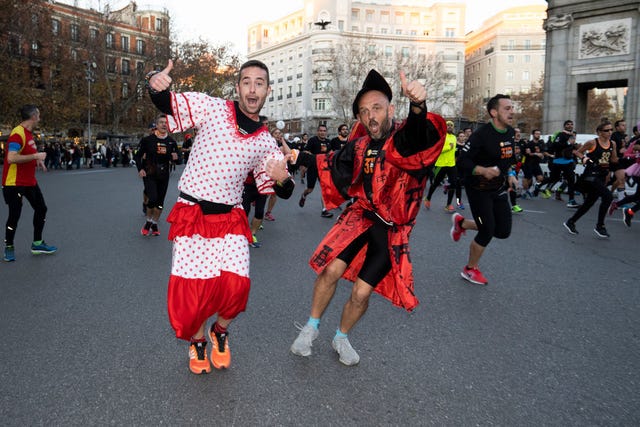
point(209, 228)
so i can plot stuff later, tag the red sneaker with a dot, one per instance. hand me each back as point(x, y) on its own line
point(146, 229)
point(473, 275)
point(269, 217)
point(456, 228)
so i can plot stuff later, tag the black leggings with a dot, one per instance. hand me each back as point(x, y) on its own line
point(250, 195)
point(566, 170)
point(376, 262)
point(594, 187)
point(156, 189)
point(13, 198)
point(634, 198)
point(452, 173)
point(492, 212)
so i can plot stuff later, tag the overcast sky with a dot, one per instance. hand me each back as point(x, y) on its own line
point(218, 21)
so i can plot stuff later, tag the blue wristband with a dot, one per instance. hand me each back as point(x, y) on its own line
point(512, 173)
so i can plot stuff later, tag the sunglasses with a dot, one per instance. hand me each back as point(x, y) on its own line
point(606, 130)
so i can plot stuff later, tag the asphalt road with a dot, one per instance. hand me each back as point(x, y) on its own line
point(85, 340)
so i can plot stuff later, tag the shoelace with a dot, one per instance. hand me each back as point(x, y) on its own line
point(298, 325)
point(201, 350)
point(221, 338)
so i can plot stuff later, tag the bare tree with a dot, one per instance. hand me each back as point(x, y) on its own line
point(351, 61)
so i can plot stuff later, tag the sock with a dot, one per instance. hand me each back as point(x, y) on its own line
point(217, 329)
point(313, 322)
point(340, 334)
point(203, 339)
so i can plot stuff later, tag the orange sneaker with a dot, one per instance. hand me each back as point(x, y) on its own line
point(220, 353)
point(198, 362)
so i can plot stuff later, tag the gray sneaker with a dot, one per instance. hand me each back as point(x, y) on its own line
point(348, 355)
point(302, 345)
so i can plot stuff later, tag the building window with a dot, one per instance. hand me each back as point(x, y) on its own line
point(388, 51)
point(111, 64)
point(527, 44)
point(413, 32)
point(511, 59)
point(450, 32)
point(355, 28)
point(405, 52)
point(55, 27)
point(110, 41)
point(75, 32)
point(383, 31)
point(399, 18)
point(511, 44)
point(398, 32)
point(355, 14)
point(384, 17)
point(525, 75)
point(140, 68)
point(371, 49)
point(415, 19)
point(509, 75)
point(320, 104)
point(93, 34)
point(74, 55)
point(126, 70)
point(527, 59)
point(369, 15)
point(124, 40)
point(159, 25)
point(140, 47)
point(125, 90)
point(341, 25)
point(369, 30)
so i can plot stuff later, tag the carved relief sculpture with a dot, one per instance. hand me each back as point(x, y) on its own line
point(557, 22)
point(605, 38)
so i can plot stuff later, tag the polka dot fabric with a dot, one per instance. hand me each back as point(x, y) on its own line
point(221, 157)
point(197, 257)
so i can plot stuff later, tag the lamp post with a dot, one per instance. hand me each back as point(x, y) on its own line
point(90, 76)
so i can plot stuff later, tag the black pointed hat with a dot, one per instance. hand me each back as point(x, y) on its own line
point(374, 81)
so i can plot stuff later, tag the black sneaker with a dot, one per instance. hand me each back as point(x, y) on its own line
point(601, 231)
point(570, 226)
point(627, 214)
point(301, 202)
point(326, 214)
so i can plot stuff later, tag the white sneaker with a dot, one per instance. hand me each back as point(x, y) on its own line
point(348, 355)
point(302, 345)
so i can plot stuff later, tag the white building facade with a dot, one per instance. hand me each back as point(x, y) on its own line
point(506, 54)
point(319, 56)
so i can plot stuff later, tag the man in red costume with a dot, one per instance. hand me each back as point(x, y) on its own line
point(385, 170)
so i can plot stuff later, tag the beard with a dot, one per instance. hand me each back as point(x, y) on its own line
point(379, 130)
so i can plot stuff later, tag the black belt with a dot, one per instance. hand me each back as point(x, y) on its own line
point(208, 208)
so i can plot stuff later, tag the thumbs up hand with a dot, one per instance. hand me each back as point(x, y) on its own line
point(161, 81)
point(414, 90)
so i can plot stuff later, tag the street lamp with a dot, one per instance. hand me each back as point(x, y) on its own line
point(90, 76)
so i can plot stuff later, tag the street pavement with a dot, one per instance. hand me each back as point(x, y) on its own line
point(85, 339)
